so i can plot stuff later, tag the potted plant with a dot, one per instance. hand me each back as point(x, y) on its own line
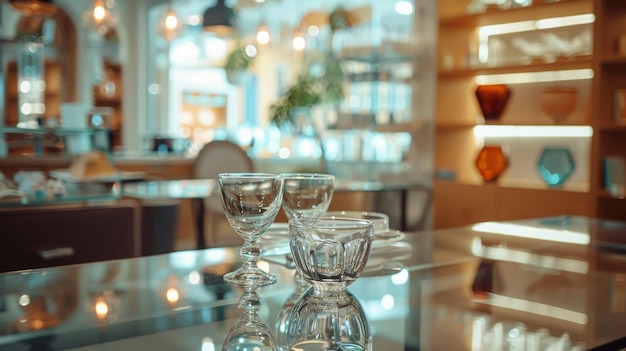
point(238, 62)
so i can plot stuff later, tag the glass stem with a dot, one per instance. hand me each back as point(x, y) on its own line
point(250, 252)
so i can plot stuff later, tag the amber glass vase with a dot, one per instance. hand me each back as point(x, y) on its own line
point(492, 100)
point(491, 162)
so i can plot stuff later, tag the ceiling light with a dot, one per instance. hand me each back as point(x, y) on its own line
point(404, 7)
point(219, 19)
point(100, 17)
point(263, 35)
point(298, 43)
point(170, 26)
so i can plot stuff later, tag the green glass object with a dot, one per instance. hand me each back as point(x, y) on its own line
point(556, 165)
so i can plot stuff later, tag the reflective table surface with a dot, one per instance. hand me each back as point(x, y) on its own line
point(203, 188)
point(542, 284)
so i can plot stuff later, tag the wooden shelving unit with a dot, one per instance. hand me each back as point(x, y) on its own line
point(466, 198)
point(610, 75)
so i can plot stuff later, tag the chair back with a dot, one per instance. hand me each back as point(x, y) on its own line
point(220, 156)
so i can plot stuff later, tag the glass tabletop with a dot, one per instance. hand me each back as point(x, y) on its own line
point(529, 285)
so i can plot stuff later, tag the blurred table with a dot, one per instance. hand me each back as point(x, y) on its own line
point(200, 189)
point(554, 283)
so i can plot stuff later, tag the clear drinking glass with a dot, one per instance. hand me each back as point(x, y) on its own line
point(251, 202)
point(307, 195)
point(332, 252)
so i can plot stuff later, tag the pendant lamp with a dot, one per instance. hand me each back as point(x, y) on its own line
point(220, 19)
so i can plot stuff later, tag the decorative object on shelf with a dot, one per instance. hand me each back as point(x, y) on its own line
point(491, 162)
point(558, 102)
point(482, 285)
point(614, 171)
point(619, 106)
point(556, 165)
point(492, 99)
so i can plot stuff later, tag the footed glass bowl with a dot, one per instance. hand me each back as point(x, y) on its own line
point(331, 253)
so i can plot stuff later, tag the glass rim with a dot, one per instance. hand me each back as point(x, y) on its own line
point(350, 213)
point(249, 175)
point(329, 222)
point(297, 175)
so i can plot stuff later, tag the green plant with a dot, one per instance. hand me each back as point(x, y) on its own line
point(238, 60)
point(310, 89)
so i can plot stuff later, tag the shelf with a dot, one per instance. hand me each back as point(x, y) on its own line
point(521, 185)
point(613, 127)
point(613, 60)
point(579, 62)
point(538, 10)
point(606, 195)
point(454, 126)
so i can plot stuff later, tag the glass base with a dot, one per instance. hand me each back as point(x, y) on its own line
point(251, 278)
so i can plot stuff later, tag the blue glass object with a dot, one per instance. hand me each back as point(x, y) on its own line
point(556, 165)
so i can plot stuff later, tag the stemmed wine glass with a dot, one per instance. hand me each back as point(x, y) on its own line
point(251, 202)
point(307, 195)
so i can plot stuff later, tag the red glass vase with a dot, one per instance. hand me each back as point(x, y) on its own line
point(491, 162)
point(492, 100)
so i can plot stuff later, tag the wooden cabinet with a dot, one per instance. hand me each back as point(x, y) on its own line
point(59, 234)
point(547, 44)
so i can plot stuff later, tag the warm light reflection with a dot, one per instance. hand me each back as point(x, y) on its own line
point(401, 277)
point(535, 77)
point(387, 302)
point(546, 23)
point(99, 11)
point(101, 308)
point(528, 232)
point(501, 131)
point(501, 253)
point(208, 344)
point(172, 296)
point(264, 265)
point(171, 21)
point(298, 43)
point(535, 308)
point(263, 35)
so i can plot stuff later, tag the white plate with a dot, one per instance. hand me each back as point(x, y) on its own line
point(275, 241)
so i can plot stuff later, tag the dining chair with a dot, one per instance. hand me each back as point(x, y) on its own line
point(215, 157)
